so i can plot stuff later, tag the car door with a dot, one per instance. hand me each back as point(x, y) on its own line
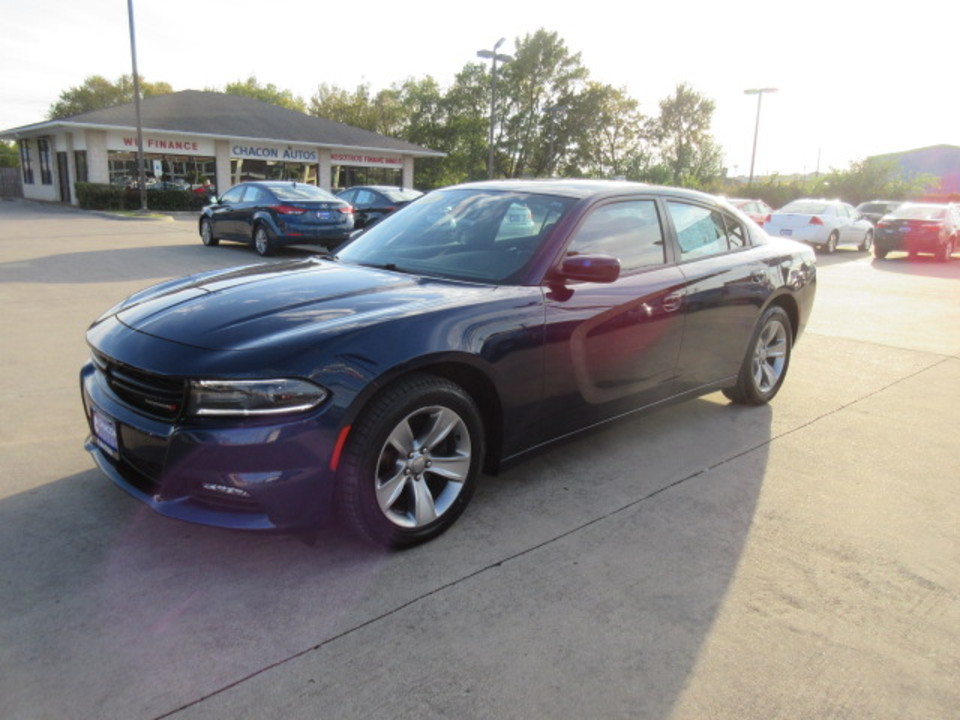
point(611, 347)
point(725, 285)
point(223, 215)
point(255, 199)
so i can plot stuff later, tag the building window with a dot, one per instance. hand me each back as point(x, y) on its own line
point(25, 163)
point(46, 175)
point(80, 158)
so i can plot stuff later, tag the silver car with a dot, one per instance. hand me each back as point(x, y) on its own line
point(825, 224)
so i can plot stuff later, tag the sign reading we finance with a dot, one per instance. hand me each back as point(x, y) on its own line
point(165, 145)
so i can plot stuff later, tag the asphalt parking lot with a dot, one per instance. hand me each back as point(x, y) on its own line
point(800, 560)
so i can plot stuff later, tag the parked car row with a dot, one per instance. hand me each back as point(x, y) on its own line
point(884, 225)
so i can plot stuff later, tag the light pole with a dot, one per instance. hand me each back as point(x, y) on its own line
point(756, 128)
point(493, 55)
point(142, 177)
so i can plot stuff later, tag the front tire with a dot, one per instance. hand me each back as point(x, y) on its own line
point(206, 233)
point(411, 462)
point(261, 241)
point(765, 365)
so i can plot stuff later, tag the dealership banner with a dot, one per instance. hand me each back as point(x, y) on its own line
point(276, 153)
point(366, 160)
point(161, 144)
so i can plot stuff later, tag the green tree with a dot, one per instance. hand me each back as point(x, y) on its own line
point(97, 92)
point(380, 113)
point(269, 93)
point(544, 74)
point(684, 143)
point(604, 134)
point(9, 154)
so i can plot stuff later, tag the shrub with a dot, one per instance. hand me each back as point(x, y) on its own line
point(99, 196)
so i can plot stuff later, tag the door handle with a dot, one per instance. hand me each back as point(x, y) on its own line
point(672, 302)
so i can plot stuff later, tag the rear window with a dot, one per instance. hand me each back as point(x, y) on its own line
point(301, 192)
point(920, 212)
point(805, 207)
point(402, 195)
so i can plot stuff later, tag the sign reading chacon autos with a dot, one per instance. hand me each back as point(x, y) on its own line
point(282, 153)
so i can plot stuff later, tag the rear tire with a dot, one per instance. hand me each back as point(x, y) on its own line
point(867, 241)
point(261, 241)
point(765, 365)
point(411, 462)
point(832, 241)
point(945, 251)
point(878, 253)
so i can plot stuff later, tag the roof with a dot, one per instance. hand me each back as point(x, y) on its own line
point(222, 115)
point(583, 188)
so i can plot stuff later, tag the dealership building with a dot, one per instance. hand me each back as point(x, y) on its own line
point(193, 138)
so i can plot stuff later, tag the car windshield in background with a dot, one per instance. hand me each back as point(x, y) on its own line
point(300, 192)
point(804, 207)
point(918, 212)
point(483, 236)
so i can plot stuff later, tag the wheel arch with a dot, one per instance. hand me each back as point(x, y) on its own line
point(789, 305)
point(475, 381)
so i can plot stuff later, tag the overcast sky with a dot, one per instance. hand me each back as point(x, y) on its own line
point(855, 79)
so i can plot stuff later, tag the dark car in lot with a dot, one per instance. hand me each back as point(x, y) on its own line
point(372, 203)
point(378, 384)
point(873, 210)
point(919, 228)
point(270, 214)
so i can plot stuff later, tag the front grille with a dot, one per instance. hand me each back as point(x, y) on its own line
point(155, 395)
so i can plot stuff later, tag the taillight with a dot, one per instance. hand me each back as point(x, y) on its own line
point(345, 209)
point(766, 220)
point(930, 226)
point(289, 210)
point(816, 220)
point(883, 224)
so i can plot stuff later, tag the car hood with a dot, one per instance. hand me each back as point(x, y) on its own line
point(247, 307)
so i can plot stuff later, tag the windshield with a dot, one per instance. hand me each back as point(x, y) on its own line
point(470, 234)
point(919, 212)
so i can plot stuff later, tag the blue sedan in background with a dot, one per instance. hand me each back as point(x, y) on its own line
point(380, 383)
point(273, 213)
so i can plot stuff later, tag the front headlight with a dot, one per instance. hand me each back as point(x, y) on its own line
point(253, 397)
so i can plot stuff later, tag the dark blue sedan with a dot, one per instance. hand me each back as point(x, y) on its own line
point(274, 213)
point(443, 343)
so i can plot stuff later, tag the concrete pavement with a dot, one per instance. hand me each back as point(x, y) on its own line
point(800, 560)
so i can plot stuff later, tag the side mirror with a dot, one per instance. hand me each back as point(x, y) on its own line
point(590, 268)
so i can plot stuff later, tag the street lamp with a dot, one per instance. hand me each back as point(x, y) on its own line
point(756, 128)
point(142, 177)
point(493, 55)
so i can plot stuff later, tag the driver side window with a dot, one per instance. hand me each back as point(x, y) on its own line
point(629, 231)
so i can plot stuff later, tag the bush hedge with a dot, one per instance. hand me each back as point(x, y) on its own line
point(100, 196)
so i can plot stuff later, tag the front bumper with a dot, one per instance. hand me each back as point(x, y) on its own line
point(263, 475)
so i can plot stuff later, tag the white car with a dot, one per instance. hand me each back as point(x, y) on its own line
point(824, 224)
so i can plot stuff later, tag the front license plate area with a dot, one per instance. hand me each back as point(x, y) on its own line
point(105, 433)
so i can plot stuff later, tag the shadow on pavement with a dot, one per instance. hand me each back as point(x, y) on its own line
point(598, 564)
point(926, 265)
point(133, 263)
